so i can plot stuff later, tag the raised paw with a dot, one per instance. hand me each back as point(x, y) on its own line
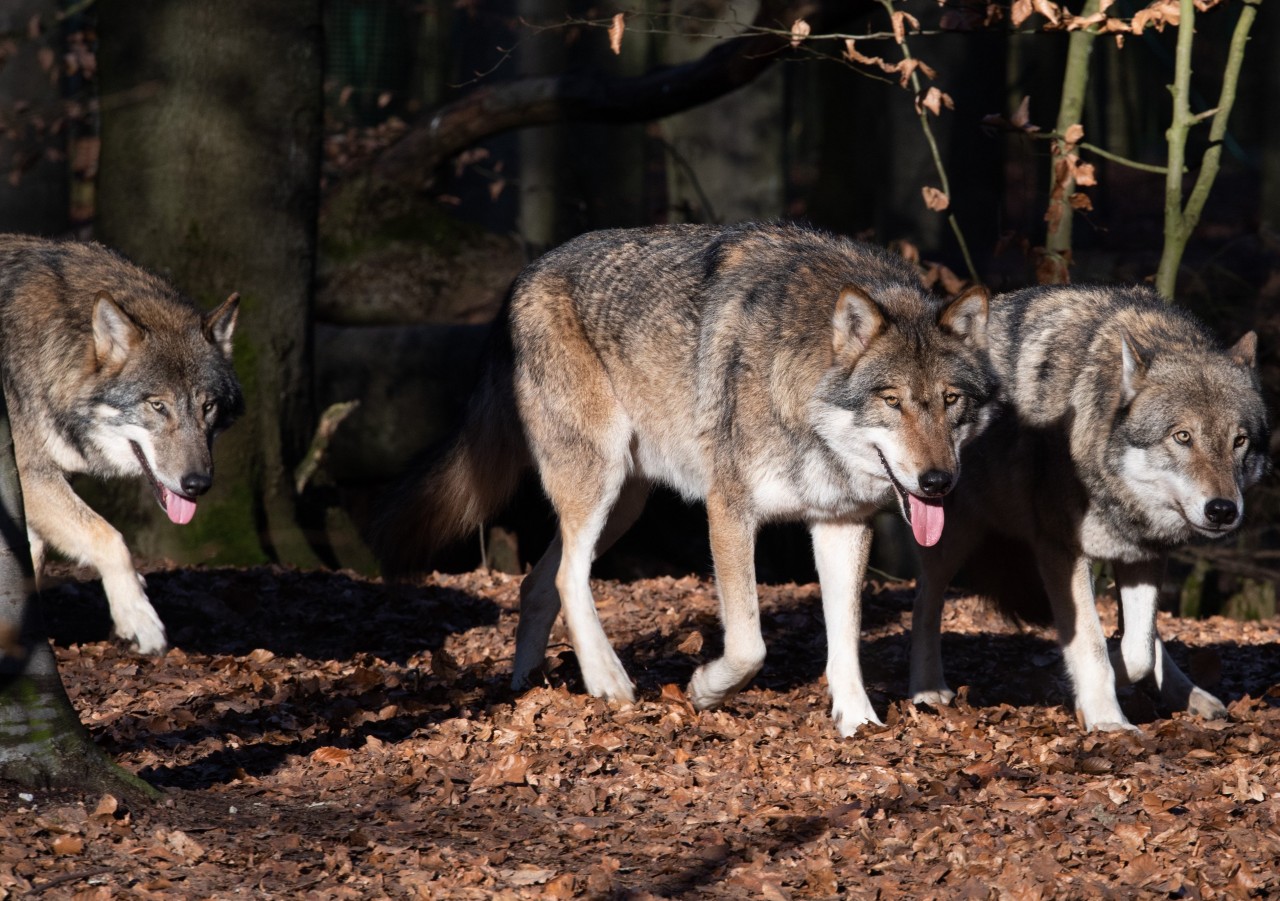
point(141, 626)
point(715, 682)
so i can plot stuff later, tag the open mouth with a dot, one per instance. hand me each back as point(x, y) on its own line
point(924, 515)
point(178, 508)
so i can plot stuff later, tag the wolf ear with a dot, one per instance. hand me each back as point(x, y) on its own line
point(1245, 351)
point(1133, 367)
point(856, 321)
point(966, 316)
point(219, 324)
point(114, 333)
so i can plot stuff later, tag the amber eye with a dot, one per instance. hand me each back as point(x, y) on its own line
point(1182, 436)
point(159, 407)
point(209, 407)
point(950, 398)
point(1241, 440)
point(892, 400)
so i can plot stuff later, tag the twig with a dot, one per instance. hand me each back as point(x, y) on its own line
point(937, 156)
point(330, 419)
point(1180, 221)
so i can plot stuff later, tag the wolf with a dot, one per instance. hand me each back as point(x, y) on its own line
point(1123, 430)
point(772, 371)
point(109, 371)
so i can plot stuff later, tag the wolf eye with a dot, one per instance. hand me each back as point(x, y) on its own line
point(892, 400)
point(950, 398)
point(159, 407)
point(209, 407)
point(1241, 441)
point(1182, 436)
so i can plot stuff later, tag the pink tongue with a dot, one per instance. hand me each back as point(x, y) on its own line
point(926, 520)
point(181, 510)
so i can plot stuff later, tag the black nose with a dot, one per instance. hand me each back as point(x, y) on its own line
point(196, 483)
point(1221, 511)
point(935, 482)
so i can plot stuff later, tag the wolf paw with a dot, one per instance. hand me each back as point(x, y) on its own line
point(143, 629)
point(1205, 705)
point(933, 697)
point(1116, 726)
point(604, 677)
point(715, 682)
point(849, 716)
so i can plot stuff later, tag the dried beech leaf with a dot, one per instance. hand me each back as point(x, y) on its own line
point(616, 28)
point(331, 756)
point(799, 31)
point(934, 199)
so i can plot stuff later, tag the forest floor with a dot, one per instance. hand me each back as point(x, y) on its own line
point(318, 735)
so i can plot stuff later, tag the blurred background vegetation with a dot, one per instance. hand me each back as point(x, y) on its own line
point(371, 174)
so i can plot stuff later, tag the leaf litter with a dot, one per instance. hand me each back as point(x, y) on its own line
point(319, 734)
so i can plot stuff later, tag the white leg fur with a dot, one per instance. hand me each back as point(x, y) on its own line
point(840, 551)
point(1139, 585)
point(1069, 583)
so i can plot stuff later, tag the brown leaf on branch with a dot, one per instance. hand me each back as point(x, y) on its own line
point(1074, 134)
point(903, 68)
point(1020, 12)
point(1081, 201)
point(799, 31)
point(1157, 15)
point(1084, 174)
point(934, 100)
point(901, 20)
point(616, 28)
point(935, 199)
point(1051, 11)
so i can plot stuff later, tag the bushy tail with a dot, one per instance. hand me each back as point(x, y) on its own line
point(1003, 572)
point(455, 491)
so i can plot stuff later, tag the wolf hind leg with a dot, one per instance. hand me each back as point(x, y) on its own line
point(539, 599)
point(1179, 693)
point(733, 534)
point(840, 550)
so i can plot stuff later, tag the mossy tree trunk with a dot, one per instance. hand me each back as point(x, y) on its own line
point(211, 132)
point(42, 743)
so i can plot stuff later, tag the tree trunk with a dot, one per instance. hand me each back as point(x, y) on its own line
point(211, 130)
point(42, 743)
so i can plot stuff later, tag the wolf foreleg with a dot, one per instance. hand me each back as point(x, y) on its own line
point(1139, 585)
point(61, 519)
point(840, 550)
point(1069, 583)
point(733, 536)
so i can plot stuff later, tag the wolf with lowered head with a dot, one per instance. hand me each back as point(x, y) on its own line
point(1125, 430)
point(774, 371)
point(108, 371)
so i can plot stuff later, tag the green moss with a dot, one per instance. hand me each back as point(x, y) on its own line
point(354, 224)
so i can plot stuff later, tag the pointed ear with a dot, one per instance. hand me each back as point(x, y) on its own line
point(1245, 351)
point(966, 316)
point(1133, 364)
point(219, 324)
point(856, 321)
point(114, 333)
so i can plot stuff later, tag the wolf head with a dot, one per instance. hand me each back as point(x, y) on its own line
point(166, 387)
point(909, 384)
point(1193, 435)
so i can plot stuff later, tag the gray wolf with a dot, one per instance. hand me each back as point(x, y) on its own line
point(1124, 431)
point(773, 371)
point(108, 371)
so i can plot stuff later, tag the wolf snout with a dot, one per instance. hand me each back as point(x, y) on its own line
point(1221, 512)
point(195, 484)
point(936, 482)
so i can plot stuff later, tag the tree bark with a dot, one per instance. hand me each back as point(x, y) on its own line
point(42, 742)
point(211, 131)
